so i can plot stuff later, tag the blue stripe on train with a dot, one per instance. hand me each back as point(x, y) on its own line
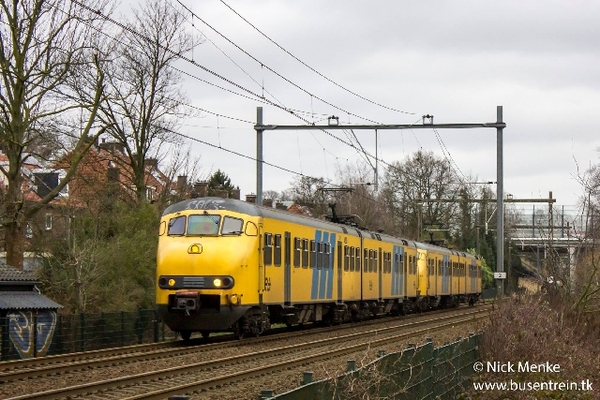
point(445, 274)
point(324, 270)
point(397, 271)
point(331, 269)
point(322, 278)
point(315, 275)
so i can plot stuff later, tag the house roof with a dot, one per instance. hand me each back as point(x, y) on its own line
point(21, 299)
point(93, 173)
point(28, 167)
point(26, 301)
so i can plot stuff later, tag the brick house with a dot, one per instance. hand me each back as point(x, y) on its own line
point(103, 175)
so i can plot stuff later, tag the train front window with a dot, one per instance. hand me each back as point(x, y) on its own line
point(232, 226)
point(203, 225)
point(176, 226)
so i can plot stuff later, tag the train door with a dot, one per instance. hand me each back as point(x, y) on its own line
point(360, 266)
point(339, 257)
point(261, 263)
point(287, 269)
point(422, 276)
point(380, 273)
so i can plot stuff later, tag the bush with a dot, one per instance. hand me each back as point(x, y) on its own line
point(531, 329)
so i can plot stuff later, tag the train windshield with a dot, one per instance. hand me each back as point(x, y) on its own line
point(232, 226)
point(176, 226)
point(203, 225)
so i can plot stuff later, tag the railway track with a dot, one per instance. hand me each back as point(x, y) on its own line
point(206, 367)
point(56, 365)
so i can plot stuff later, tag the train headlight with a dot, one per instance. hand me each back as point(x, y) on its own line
point(171, 282)
point(217, 282)
point(196, 248)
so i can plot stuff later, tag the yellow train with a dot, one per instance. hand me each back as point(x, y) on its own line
point(229, 265)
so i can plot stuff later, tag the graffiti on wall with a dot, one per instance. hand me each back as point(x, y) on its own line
point(21, 325)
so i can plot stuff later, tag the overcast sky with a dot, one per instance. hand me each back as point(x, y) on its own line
point(455, 60)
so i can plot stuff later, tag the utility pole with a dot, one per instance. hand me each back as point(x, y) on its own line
point(259, 155)
point(499, 125)
point(499, 200)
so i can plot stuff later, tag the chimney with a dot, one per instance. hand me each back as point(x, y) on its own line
point(268, 203)
point(151, 162)
point(235, 193)
point(250, 198)
point(200, 189)
point(181, 183)
point(281, 206)
point(113, 174)
point(112, 147)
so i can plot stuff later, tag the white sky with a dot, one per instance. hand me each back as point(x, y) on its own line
point(456, 60)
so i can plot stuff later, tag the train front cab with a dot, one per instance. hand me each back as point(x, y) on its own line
point(206, 269)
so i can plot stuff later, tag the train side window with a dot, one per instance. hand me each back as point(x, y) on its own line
point(277, 246)
point(297, 252)
point(400, 264)
point(346, 258)
point(304, 253)
point(176, 226)
point(319, 255)
point(313, 254)
point(327, 256)
point(366, 260)
point(388, 263)
point(251, 229)
point(357, 256)
point(268, 249)
point(351, 251)
point(414, 265)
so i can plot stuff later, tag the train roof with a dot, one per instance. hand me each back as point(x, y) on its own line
point(252, 209)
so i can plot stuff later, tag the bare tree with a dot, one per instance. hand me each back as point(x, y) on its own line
point(586, 279)
point(423, 191)
point(361, 199)
point(308, 191)
point(145, 100)
point(45, 48)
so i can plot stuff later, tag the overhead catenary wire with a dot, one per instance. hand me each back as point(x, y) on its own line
point(242, 88)
point(311, 68)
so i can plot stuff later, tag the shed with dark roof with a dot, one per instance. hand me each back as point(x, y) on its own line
point(27, 318)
